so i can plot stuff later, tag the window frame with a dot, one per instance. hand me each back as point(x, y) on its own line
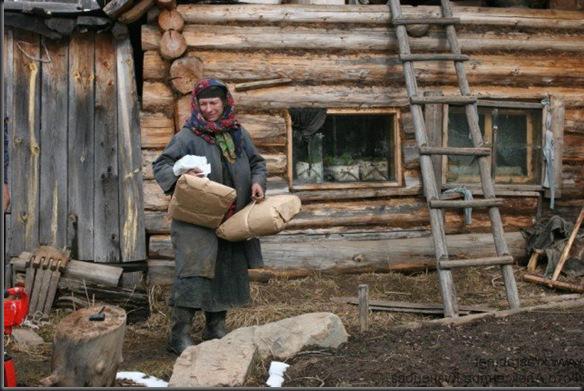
point(519, 183)
point(397, 182)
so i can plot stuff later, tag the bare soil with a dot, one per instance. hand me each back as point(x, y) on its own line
point(539, 349)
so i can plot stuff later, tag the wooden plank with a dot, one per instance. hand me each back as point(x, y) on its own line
point(25, 148)
point(557, 107)
point(363, 307)
point(53, 190)
point(8, 86)
point(404, 304)
point(106, 203)
point(132, 232)
point(81, 145)
point(320, 253)
point(434, 120)
point(568, 246)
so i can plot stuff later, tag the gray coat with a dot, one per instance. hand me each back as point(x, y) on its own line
point(196, 247)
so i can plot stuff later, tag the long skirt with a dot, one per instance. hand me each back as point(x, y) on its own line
point(228, 289)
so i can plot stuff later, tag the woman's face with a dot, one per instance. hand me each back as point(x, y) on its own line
point(211, 108)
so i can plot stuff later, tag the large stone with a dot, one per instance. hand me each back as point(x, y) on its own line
point(285, 338)
point(27, 337)
point(222, 362)
point(227, 362)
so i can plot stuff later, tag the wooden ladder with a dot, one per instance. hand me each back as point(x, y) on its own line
point(431, 191)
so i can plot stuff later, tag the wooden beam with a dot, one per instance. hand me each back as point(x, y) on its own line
point(375, 15)
point(91, 272)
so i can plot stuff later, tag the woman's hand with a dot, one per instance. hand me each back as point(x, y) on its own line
point(195, 172)
point(257, 193)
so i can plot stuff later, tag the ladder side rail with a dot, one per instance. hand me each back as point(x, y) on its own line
point(428, 177)
point(484, 164)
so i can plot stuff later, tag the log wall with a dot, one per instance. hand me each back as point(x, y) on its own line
point(346, 56)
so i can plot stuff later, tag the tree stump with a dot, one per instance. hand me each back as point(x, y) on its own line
point(87, 353)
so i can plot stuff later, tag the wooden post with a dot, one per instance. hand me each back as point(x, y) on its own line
point(87, 353)
point(364, 307)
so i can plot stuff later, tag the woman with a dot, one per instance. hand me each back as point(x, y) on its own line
point(211, 273)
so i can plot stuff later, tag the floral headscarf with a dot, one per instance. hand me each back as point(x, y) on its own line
point(226, 131)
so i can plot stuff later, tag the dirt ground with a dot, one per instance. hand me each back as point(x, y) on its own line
point(533, 349)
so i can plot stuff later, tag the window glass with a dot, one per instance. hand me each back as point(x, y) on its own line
point(346, 148)
point(462, 168)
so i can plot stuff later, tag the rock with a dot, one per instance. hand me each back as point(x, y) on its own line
point(227, 362)
point(222, 362)
point(25, 336)
point(285, 338)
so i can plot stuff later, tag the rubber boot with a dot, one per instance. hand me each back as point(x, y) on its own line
point(215, 325)
point(180, 338)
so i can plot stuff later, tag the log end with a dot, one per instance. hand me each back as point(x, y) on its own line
point(172, 45)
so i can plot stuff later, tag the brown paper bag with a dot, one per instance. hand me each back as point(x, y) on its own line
point(260, 219)
point(200, 201)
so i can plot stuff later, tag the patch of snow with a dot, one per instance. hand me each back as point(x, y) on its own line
point(142, 378)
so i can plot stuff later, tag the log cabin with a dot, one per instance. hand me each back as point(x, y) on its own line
point(321, 90)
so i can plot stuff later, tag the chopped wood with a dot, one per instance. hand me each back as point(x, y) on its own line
point(172, 45)
point(254, 85)
point(185, 72)
point(136, 12)
point(170, 20)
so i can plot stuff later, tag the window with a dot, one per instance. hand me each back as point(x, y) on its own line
point(344, 148)
point(514, 136)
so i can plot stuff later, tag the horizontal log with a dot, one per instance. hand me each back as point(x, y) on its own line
point(276, 163)
point(386, 67)
point(574, 121)
point(254, 85)
point(148, 156)
point(199, 36)
point(265, 129)
point(162, 271)
point(392, 214)
point(157, 97)
point(376, 15)
point(313, 253)
point(155, 120)
point(154, 197)
point(573, 147)
point(155, 67)
point(91, 272)
point(156, 137)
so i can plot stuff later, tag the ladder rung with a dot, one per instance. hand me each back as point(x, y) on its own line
point(482, 203)
point(490, 261)
point(437, 20)
point(434, 57)
point(453, 100)
point(455, 151)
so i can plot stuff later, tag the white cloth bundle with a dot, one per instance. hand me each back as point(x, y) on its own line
point(188, 162)
point(260, 219)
